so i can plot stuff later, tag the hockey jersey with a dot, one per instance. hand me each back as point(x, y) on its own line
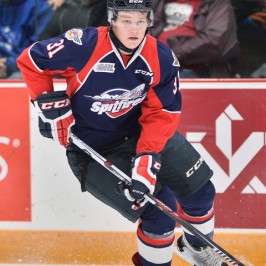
point(110, 100)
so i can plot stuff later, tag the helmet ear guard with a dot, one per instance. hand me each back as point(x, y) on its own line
point(114, 6)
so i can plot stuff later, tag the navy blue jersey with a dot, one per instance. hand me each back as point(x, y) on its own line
point(110, 99)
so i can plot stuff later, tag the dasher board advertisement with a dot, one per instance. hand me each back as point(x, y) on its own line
point(15, 192)
point(223, 119)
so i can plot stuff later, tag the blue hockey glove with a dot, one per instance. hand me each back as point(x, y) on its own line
point(55, 116)
point(145, 166)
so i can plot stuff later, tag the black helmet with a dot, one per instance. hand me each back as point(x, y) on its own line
point(114, 6)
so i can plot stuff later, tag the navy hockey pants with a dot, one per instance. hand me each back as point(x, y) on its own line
point(183, 171)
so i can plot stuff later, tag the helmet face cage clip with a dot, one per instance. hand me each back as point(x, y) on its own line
point(114, 6)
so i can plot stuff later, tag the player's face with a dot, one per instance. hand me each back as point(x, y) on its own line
point(130, 28)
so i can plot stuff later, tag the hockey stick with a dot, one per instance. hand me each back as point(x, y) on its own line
point(153, 200)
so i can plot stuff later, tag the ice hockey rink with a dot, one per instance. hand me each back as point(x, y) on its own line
point(84, 248)
point(109, 248)
point(46, 220)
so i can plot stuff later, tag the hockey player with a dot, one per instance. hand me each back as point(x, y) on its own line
point(122, 99)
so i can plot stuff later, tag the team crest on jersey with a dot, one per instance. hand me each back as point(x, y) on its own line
point(74, 35)
point(117, 102)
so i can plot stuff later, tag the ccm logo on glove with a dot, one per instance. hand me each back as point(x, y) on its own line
point(145, 166)
point(59, 104)
point(55, 116)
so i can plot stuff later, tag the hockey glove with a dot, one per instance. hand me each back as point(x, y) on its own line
point(145, 166)
point(55, 116)
point(124, 189)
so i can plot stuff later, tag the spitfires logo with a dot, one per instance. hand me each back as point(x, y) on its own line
point(74, 35)
point(117, 102)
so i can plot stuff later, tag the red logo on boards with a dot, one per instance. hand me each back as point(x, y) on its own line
point(15, 198)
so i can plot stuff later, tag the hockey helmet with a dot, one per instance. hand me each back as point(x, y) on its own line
point(114, 6)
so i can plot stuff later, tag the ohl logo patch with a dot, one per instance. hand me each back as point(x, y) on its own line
point(117, 102)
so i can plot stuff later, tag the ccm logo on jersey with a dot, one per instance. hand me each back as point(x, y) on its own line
point(55, 105)
point(143, 72)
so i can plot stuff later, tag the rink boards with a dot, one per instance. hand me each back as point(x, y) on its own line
point(223, 119)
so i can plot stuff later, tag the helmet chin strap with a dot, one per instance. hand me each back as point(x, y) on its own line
point(120, 45)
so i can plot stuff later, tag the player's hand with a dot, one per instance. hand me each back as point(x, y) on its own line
point(55, 116)
point(145, 166)
point(124, 189)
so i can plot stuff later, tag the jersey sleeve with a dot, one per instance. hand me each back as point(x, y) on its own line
point(65, 55)
point(162, 108)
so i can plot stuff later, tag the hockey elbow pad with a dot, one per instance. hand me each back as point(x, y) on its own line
point(55, 116)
